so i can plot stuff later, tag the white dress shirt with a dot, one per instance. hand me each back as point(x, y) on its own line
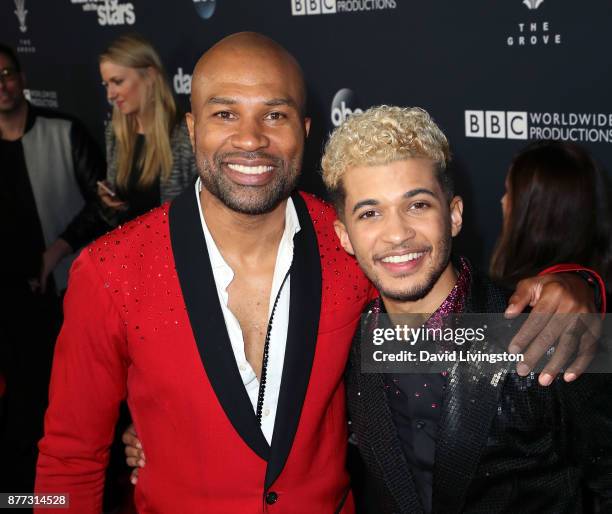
point(223, 276)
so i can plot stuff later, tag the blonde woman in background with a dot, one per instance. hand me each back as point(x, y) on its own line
point(149, 155)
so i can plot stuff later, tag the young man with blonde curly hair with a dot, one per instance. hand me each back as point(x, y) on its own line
point(456, 440)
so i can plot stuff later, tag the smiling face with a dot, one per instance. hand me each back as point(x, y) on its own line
point(398, 223)
point(247, 125)
point(125, 87)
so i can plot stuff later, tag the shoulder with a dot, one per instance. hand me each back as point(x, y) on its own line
point(180, 133)
point(323, 216)
point(343, 281)
point(109, 133)
point(485, 295)
point(50, 114)
point(42, 117)
point(134, 242)
point(180, 142)
point(320, 211)
point(110, 142)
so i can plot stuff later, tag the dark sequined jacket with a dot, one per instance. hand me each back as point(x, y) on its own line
point(506, 446)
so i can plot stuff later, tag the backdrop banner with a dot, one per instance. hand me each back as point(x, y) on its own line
point(494, 75)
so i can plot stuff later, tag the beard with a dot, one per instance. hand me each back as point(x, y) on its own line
point(247, 199)
point(422, 289)
point(12, 104)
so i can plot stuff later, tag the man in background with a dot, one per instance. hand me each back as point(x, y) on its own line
point(48, 204)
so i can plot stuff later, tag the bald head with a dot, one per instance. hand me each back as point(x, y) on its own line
point(247, 123)
point(249, 59)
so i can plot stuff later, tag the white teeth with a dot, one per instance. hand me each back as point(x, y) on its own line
point(403, 258)
point(249, 170)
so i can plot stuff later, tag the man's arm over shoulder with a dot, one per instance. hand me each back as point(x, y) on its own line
point(88, 382)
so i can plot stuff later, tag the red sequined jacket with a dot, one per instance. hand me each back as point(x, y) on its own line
point(143, 322)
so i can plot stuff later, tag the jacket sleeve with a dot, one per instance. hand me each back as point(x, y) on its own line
point(88, 382)
point(89, 167)
point(590, 415)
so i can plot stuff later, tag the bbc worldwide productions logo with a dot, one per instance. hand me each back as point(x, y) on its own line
point(580, 127)
point(310, 7)
point(496, 124)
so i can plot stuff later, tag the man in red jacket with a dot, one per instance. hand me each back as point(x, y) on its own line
point(225, 319)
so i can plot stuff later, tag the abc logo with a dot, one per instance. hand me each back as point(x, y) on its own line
point(496, 124)
point(342, 106)
point(182, 83)
point(205, 8)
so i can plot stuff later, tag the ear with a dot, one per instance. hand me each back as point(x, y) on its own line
point(191, 128)
point(151, 72)
point(343, 236)
point(456, 215)
point(307, 125)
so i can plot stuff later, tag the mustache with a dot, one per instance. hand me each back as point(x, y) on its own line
point(251, 156)
point(405, 248)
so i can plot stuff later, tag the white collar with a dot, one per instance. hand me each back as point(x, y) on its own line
point(217, 262)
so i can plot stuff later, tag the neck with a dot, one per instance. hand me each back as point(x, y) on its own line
point(12, 123)
point(244, 237)
point(140, 124)
point(429, 303)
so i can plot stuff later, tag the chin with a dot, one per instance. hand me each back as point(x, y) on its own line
point(405, 290)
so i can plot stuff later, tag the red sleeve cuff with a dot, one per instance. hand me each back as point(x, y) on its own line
point(594, 277)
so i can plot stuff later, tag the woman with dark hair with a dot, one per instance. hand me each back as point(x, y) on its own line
point(556, 210)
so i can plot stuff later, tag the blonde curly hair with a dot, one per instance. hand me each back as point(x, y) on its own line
point(381, 135)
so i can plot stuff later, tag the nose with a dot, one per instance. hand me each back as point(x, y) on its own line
point(249, 135)
point(111, 94)
point(397, 228)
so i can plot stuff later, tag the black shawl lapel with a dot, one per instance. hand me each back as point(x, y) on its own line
point(470, 405)
point(304, 311)
point(386, 444)
point(207, 322)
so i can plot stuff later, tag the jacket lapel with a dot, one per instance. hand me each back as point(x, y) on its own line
point(381, 434)
point(469, 407)
point(470, 404)
point(304, 311)
point(199, 291)
point(386, 445)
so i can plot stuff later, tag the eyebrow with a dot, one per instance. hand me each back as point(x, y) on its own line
point(273, 102)
point(419, 191)
point(221, 100)
point(111, 79)
point(281, 101)
point(407, 194)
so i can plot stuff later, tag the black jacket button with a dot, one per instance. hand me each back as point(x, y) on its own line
point(271, 498)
